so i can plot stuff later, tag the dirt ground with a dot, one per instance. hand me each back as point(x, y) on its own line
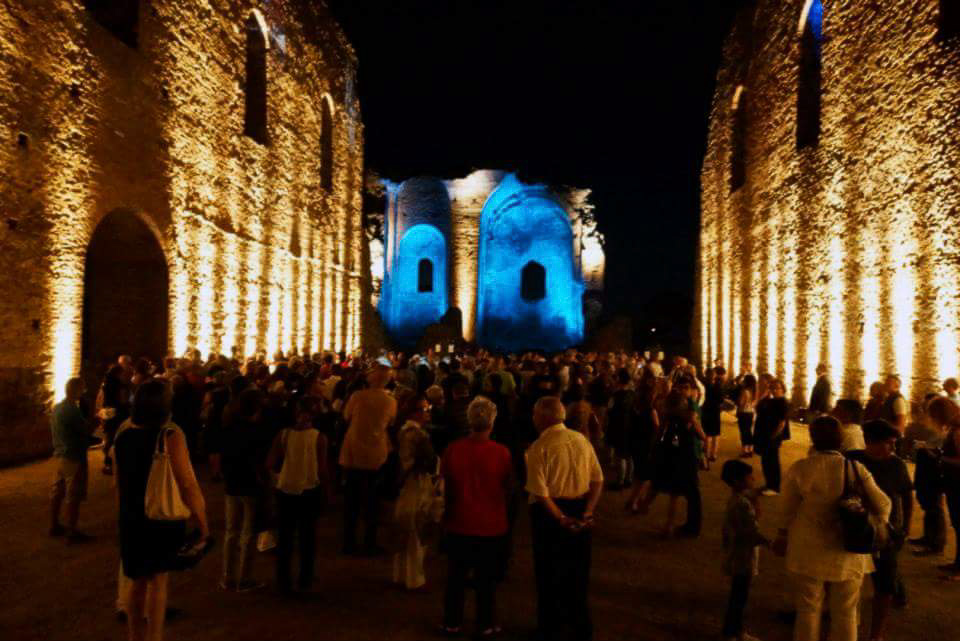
point(642, 587)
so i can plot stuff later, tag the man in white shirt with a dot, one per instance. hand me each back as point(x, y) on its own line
point(564, 480)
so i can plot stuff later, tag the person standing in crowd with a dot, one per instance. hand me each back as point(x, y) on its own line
point(746, 404)
point(874, 407)
point(951, 487)
point(646, 428)
point(114, 405)
point(895, 407)
point(812, 540)
point(773, 428)
point(71, 439)
point(243, 479)
point(676, 468)
point(414, 506)
point(299, 457)
point(620, 426)
point(477, 475)
point(928, 479)
point(564, 481)
point(821, 396)
point(850, 414)
point(741, 542)
point(891, 474)
point(148, 548)
point(711, 409)
point(364, 451)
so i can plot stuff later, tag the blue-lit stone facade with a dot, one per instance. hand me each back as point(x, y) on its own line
point(515, 259)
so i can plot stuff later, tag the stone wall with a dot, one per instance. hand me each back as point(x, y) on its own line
point(260, 256)
point(844, 252)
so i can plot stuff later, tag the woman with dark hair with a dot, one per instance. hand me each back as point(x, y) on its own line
point(951, 487)
point(148, 548)
point(710, 410)
point(746, 409)
point(646, 427)
point(115, 409)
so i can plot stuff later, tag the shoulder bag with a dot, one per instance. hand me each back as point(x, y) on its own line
point(859, 533)
point(163, 501)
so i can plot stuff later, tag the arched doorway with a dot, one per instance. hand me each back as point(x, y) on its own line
point(529, 294)
point(419, 284)
point(125, 293)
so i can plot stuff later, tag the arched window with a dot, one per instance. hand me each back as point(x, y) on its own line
point(255, 94)
point(533, 282)
point(738, 143)
point(810, 74)
point(948, 24)
point(119, 17)
point(326, 145)
point(425, 275)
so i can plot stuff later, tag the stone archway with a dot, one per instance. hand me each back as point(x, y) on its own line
point(125, 293)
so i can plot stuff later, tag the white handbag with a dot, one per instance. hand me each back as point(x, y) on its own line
point(163, 501)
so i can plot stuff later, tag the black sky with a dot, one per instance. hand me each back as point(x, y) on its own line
point(611, 95)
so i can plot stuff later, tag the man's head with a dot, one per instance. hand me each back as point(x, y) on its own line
point(738, 475)
point(881, 438)
point(893, 384)
point(418, 409)
point(848, 411)
point(547, 412)
point(826, 434)
point(125, 361)
point(821, 369)
point(75, 389)
point(950, 386)
point(942, 411)
point(381, 374)
point(434, 394)
point(481, 413)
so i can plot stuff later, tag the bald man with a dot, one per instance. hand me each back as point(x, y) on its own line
point(564, 480)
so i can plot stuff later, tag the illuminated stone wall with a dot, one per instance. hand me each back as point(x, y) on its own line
point(261, 256)
point(493, 225)
point(845, 251)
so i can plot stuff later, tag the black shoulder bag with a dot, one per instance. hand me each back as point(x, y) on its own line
point(859, 534)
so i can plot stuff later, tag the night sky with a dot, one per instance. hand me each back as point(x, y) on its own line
point(608, 95)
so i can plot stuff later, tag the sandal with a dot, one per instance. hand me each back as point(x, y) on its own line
point(490, 632)
point(449, 630)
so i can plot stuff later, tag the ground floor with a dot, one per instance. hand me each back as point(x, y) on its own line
point(642, 587)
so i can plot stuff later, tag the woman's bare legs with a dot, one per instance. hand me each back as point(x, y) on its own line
point(136, 598)
point(156, 606)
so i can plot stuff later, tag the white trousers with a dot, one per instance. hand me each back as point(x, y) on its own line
point(844, 608)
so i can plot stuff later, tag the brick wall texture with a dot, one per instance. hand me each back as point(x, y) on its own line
point(845, 251)
point(258, 255)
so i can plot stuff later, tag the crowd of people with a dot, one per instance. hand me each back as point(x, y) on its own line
point(454, 445)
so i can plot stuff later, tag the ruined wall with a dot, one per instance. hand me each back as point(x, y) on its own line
point(456, 209)
point(260, 256)
point(844, 252)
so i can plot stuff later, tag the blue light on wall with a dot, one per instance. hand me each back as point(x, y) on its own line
point(406, 310)
point(815, 19)
point(519, 224)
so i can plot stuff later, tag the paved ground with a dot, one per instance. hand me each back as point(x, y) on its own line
point(642, 587)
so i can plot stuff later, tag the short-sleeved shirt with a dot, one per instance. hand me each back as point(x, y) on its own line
point(476, 474)
point(561, 464)
point(69, 430)
point(369, 412)
point(892, 477)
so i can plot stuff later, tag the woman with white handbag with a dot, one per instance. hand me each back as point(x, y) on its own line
point(158, 494)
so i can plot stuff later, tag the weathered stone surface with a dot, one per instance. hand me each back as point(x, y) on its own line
point(260, 256)
point(845, 252)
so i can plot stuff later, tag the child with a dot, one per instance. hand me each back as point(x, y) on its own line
point(741, 538)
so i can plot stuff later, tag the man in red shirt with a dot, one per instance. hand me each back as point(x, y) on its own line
point(478, 477)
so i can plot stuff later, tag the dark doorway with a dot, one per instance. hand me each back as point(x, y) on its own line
point(125, 293)
point(533, 282)
point(425, 276)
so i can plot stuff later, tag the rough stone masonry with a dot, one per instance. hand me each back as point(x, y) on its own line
point(203, 158)
point(830, 191)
